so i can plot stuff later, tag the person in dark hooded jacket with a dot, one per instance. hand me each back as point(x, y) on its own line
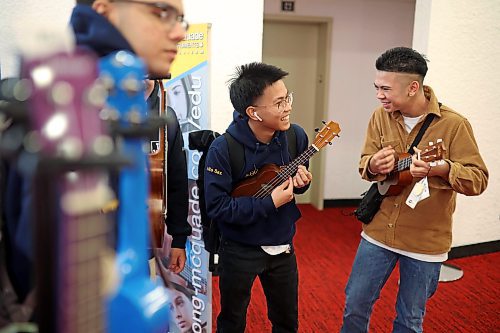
point(257, 233)
point(151, 30)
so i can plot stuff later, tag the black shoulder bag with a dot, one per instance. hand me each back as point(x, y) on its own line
point(372, 199)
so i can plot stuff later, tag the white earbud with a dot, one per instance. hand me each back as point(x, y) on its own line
point(257, 116)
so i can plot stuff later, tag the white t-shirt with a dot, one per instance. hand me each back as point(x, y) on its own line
point(276, 249)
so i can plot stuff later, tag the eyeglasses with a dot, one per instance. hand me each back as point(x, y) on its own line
point(281, 105)
point(168, 14)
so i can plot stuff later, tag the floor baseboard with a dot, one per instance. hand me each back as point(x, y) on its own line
point(332, 203)
point(474, 249)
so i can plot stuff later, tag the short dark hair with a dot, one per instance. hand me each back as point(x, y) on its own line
point(249, 83)
point(402, 60)
point(85, 2)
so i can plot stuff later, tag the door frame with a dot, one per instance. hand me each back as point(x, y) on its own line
point(322, 87)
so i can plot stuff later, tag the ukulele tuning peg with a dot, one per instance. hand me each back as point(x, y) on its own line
point(316, 129)
point(324, 122)
point(330, 143)
point(431, 143)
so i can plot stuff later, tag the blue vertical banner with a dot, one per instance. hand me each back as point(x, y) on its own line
point(188, 95)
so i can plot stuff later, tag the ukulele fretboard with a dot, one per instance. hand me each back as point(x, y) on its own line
point(286, 172)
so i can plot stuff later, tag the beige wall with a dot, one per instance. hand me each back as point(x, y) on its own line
point(362, 30)
point(461, 39)
point(18, 18)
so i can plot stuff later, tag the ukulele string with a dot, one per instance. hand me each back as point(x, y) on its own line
point(278, 179)
point(281, 176)
point(285, 173)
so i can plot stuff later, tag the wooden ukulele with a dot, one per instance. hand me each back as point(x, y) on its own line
point(401, 177)
point(157, 167)
point(137, 305)
point(71, 187)
point(271, 176)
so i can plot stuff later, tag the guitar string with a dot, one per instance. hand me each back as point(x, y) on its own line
point(286, 172)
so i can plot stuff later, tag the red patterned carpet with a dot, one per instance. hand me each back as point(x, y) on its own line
point(326, 243)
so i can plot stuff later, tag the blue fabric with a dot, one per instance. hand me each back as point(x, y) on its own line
point(248, 220)
point(371, 268)
point(18, 228)
point(94, 32)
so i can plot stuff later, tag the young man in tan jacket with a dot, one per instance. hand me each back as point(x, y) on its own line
point(419, 237)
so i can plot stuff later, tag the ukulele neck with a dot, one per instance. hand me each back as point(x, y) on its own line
point(403, 164)
point(290, 169)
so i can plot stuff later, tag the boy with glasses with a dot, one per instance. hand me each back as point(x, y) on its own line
point(257, 233)
point(151, 30)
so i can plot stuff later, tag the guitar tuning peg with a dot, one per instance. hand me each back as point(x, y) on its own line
point(330, 143)
point(324, 122)
point(431, 143)
point(316, 129)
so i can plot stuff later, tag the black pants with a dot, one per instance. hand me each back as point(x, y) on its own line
point(239, 265)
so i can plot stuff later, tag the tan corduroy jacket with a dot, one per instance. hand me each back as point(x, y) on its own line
point(427, 228)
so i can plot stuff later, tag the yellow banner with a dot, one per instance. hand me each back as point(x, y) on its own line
point(192, 51)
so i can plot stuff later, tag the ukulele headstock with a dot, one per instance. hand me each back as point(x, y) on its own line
point(326, 134)
point(123, 75)
point(433, 153)
point(65, 98)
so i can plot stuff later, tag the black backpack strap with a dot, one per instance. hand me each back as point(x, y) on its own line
point(236, 155)
point(291, 137)
point(420, 134)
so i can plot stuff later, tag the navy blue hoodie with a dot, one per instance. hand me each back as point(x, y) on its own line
point(250, 220)
point(94, 32)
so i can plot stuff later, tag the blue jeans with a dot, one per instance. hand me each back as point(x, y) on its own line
point(371, 268)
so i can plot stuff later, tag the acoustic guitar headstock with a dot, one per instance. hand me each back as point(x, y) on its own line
point(326, 134)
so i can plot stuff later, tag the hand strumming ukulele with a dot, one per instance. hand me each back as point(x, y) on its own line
point(400, 177)
point(271, 176)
